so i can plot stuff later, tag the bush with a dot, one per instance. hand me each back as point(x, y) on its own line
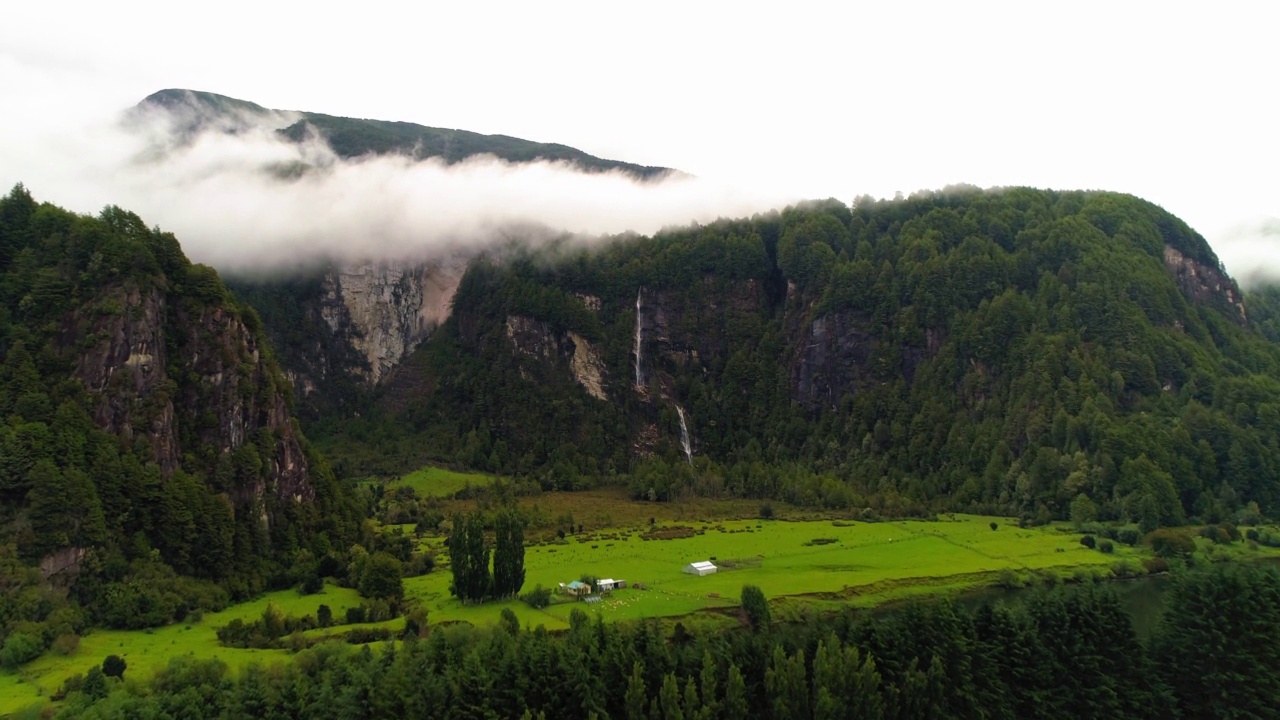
point(66, 643)
point(995, 525)
point(766, 511)
point(1170, 543)
point(20, 648)
point(539, 597)
point(1089, 542)
point(1155, 565)
point(1128, 536)
point(1252, 534)
point(1107, 547)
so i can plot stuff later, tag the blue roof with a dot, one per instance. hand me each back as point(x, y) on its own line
point(577, 584)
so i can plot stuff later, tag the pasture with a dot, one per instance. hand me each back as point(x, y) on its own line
point(858, 563)
point(432, 481)
point(801, 565)
point(146, 651)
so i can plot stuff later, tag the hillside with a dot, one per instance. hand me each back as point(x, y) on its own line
point(149, 449)
point(1007, 351)
point(193, 111)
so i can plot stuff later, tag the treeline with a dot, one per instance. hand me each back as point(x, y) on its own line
point(1067, 652)
point(996, 351)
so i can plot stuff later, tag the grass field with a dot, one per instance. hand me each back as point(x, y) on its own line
point(431, 481)
point(146, 651)
point(860, 563)
point(853, 563)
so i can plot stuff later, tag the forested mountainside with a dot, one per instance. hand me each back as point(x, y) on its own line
point(1264, 309)
point(1006, 350)
point(148, 448)
point(354, 137)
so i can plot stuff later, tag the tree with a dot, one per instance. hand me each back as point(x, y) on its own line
point(1083, 511)
point(508, 554)
point(469, 558)
point(114, 666)
point(756, 607)
point(382, 577)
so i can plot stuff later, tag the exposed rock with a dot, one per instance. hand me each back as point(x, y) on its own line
point(385, 310)
point(1205, 284)
point(222, 398)
point(536, 339)
point(587, 367)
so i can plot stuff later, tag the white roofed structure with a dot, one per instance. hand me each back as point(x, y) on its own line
point(704, 567)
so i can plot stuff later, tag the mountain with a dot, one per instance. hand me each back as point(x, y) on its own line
point(148, 429)
point(190, 112)
point(1005, 350)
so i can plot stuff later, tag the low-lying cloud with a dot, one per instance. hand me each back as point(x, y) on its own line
point(242, 197)
point(1251, 253)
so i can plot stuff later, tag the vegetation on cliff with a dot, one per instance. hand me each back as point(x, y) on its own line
point(148, 459)
point(1002, 351)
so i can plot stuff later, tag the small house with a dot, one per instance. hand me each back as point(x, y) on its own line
point(578, 588)
point(700, 568)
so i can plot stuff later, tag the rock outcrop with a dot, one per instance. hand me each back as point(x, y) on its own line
point(1205, 284)
point(186, 377)
point(385, 310)
point(563, 349)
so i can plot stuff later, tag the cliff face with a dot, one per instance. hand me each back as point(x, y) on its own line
point(187, 379)
point(341, 331)
point(384, 310)
point(1205, 284)
point(563, 350)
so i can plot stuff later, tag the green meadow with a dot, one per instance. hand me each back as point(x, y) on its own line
point(146, 651)
point(801, 565)
point(859, 563)
point(431, 481)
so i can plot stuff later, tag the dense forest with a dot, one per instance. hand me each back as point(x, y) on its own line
point(1003, 351)
point(1064, 652)
point(149, 463)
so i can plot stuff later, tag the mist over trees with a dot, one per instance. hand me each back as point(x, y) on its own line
point(1001, 351)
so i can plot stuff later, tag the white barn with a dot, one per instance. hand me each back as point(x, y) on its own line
point(700, 568)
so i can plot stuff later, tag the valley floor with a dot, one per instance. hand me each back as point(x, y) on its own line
point(803, 565)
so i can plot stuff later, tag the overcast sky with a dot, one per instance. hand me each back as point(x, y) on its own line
point(1172, 103)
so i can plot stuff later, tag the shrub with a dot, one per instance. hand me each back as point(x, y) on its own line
point(1252, 534)
point(66, 643)
point(1155, 565)
point(1170, 543)
point(1089, 542)
point(114, 666)
point(995, 525)
point(766, 511)
point(1107, 547)
point(539, 597)
point(1128, 536)
point(20, 648)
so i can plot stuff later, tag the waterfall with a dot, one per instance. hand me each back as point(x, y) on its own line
point(684, 436)
point(639, 327)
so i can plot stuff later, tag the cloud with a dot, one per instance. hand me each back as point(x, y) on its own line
point(1251, 252)
point(241, 197)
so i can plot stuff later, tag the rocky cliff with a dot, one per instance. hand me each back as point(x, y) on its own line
point(340, 330)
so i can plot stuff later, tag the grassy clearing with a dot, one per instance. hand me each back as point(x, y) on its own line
point(149, 650)
point(609, 508)
point(431, 481)
point(859, 563)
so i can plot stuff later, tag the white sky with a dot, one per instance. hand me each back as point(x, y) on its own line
point(1174, 102)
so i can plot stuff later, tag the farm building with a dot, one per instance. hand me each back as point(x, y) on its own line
point(608, 584)
point(700, 568)
point(576, 588)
